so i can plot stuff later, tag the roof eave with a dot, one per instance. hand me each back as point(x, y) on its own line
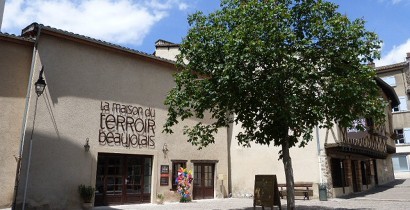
point(34, 27)
point(392, 67)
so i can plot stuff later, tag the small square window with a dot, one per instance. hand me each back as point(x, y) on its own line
point(399, 136)
point(402, 106)
point(391, 80)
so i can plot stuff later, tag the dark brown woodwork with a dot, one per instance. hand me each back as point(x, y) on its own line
point(203, 181)
point(123, 179)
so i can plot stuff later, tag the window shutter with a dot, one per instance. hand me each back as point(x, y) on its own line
point(406, 133)
point(403, 103)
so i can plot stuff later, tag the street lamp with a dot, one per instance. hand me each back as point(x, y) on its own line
point(40, 86)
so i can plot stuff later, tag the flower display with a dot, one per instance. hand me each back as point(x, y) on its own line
point(184, 180)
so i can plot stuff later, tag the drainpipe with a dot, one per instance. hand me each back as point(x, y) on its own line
point(24, 126)
point(318, 154)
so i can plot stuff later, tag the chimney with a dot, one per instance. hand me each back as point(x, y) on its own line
point(408, 56)
point(2, 3)
point(166, 49)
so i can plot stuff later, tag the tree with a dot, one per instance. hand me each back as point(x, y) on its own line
point(280, 68)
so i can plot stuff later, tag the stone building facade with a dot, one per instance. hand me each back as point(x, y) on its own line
point(398, 77)
point(99, 123)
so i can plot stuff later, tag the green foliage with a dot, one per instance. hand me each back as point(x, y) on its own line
point(278, 67)
point(86, 193)
point(160, 196)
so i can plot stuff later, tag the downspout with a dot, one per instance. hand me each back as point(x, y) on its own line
point(25, 114)
point(318, 155)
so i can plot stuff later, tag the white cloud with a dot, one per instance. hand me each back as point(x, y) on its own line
point(394, 2)
point(117, 21)
point(396, 55)
point(183, 6)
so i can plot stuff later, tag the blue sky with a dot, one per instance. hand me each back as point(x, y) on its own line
point(139, 23)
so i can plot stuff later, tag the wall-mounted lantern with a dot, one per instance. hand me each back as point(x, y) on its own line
point(40, 85)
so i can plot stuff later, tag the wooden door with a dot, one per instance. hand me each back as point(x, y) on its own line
point(203, 181)
point(123, 179)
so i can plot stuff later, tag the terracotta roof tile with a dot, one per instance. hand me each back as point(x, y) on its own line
point(13, 36)
point(164, 43)
point(392, 66)
point(35, 26)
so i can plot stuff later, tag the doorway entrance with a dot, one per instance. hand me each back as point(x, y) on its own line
point(203, 181)
point(376, 178)
point(123, 179)
point(355, 179)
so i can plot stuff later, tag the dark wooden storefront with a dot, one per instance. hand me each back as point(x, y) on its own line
point(203, 181)
point(123, 179)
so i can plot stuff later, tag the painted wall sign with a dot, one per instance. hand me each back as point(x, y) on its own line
point(126, 125)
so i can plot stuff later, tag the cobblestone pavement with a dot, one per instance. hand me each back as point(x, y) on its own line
point(395, 195)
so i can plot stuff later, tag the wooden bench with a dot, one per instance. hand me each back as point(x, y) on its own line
point(301, 189)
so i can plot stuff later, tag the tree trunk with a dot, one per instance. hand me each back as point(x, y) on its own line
point(287, 162)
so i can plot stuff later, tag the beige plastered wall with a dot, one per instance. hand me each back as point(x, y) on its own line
point(15, 62)
point(263, 160)
point(79, 77)
point(310, 164)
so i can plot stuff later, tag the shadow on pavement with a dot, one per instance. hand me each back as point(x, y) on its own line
point(302, 207)
point(377, 189)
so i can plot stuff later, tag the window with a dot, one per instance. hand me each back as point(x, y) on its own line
point(399, 136)
point(400, 163)
point(176, 164)
point(402, 106)
point(402, 136)
point(391, 80)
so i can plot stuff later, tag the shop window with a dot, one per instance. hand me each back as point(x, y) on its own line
point(338, 173)
point(400, 163)
point(176, 164)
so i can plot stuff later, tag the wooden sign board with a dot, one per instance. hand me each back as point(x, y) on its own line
point(266, 193)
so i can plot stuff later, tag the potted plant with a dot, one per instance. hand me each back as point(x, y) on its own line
point(160, 199)
point(86, 194)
